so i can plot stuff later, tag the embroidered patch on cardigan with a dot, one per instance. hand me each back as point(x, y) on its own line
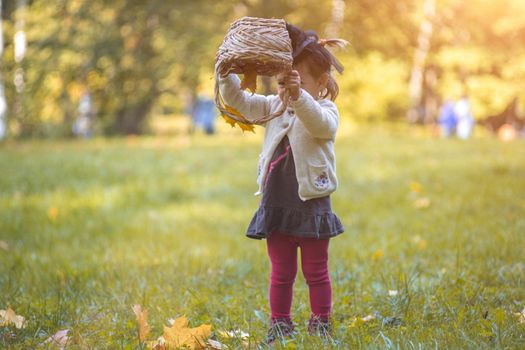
point(322, 182)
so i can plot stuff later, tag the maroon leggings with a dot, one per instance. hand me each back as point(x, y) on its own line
point(282, 250)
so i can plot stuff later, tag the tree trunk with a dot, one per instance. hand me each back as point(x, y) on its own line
point(3, 103)
point(337, 18)
point(20, 43)
point(130, 119)
point(417, 111)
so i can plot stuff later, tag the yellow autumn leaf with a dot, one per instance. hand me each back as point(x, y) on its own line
point(180, 335)
point(246, 127)
point(416, 187)
point(9, 316)
point(229, 120)
point(233, 111)
point(377, 255)
point(249, 80)
point(419, 242)
point(159, 344)
point(52, 213)
point(142, 320)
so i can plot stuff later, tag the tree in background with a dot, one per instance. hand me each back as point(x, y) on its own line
point(3, 103)
point(137, 58)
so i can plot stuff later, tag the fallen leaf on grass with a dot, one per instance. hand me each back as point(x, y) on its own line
point(420, 242)
point(142, 320)
point(214, 344)
point(180, 335)
point(357, 321)
point(4, 245)
point(521, 316)
point(234, 334)
point(422, 203)
point(52, 213)
point(416, 187)
point(177, 335)
point(377, 255)
point(59, 339)
point(9, 316)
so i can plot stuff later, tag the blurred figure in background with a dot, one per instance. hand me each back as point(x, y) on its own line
point(465, 121)
point(507, 125)
point(203, 114)
point(447, 119)
point(83, 124)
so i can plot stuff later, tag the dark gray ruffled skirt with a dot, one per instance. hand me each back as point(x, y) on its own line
point(283, 211)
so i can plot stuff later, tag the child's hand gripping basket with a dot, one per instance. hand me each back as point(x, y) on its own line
point(252, 46)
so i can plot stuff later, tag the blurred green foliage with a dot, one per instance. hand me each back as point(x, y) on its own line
point(138, 59)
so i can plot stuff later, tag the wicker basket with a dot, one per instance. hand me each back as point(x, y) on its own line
point(253, 46)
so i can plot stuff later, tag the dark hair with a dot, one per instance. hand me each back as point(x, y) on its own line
point(307, 48)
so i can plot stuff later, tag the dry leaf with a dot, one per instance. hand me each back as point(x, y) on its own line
point(246, 127)
point(377, 255)
point(421, 203)
point(159, 344)
point(52, 213)
point(180, 335)
point(368, 318)
point(521, 316)
point(9, 316)
point(361, 320)
point(238, 334)
point(416, 187)
point(249, 80)
point(393, 293)
point(4, 245)
point(214, 344)
point(59, 339)
point(233, 111)
point(229, 120)
point(142, 320)
point(421, 243)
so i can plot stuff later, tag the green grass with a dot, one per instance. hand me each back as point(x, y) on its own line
point(95, 227)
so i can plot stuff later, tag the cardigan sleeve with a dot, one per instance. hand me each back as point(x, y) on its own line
point(250, 106)
point(320, 118)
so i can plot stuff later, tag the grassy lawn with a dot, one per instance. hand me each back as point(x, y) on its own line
point(91, 228)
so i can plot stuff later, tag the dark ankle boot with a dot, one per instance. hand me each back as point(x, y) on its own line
point(320, 326)
point(279, 329)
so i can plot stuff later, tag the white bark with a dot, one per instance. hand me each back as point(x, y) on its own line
point(415, 86)
point(338, 16)
point(3, 103)
point(20, 44)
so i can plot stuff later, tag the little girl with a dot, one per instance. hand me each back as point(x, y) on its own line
point(296, 177)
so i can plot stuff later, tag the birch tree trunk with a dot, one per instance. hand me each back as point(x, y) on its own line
point(337, 18)
point(417, 111)
point(20, 44)
point(3, 103)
